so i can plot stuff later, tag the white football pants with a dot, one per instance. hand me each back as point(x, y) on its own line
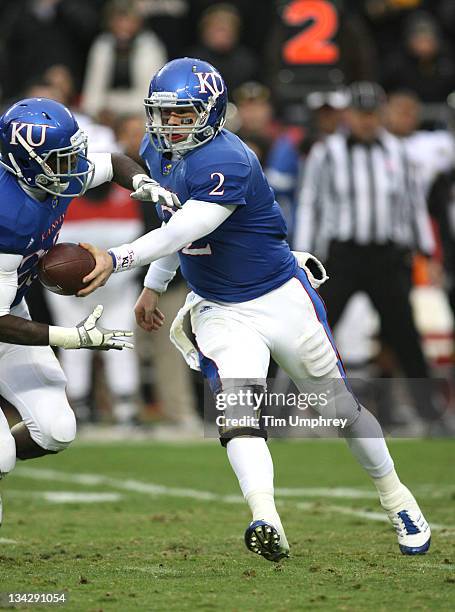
point(32, 380)
point(236, 341)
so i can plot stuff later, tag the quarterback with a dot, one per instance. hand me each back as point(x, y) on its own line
point(43, 166)
point(251, 298)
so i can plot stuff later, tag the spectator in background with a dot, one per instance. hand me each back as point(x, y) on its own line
point(171, 20)
point(40, 33)
point(386, 19)
point(278, 147)
point(255, 111)
point(257, 19)
point(57, 83)
point(219, 32)
point(42, 88)
point(172, 377)
point(120, 63)
point(433, 151)
point(441, 202)
point(60, 77)
point(425, 64)
point(402, 113)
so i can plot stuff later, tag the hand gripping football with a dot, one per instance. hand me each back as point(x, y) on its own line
point(63, 267)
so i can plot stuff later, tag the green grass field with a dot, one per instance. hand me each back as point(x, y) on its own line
point(168, 533)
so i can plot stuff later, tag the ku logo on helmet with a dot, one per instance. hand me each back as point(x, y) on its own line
point(210, 81)
point(17, 133)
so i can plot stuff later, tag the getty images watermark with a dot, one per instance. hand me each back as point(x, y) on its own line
point(319, 407)
point(246, 407)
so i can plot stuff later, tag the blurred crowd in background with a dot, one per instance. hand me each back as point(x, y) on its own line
point(98, 56)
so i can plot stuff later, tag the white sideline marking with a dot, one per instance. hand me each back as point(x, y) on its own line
point(128, 485)
point(155, 489)
point(433, 490)
point(68, 497)
point(8, 541)
point(366, 514)
point(341, 492)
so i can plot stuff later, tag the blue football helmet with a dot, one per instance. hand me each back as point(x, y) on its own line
point(185, 83)
point(42, 145)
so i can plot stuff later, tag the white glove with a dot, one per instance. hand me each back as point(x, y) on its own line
point(148, 190)
point(87, 334)
point(312, 266)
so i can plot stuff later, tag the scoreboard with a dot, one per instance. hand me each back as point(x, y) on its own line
point(313, 26)
point(307, 36)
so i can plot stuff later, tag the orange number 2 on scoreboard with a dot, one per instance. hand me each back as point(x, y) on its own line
point(313, 45)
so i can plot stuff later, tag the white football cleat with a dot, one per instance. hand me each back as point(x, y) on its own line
point(413, 531)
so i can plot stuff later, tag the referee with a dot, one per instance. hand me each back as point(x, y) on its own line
point(362, 210)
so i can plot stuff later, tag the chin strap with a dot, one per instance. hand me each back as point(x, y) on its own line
point(15, 166)
point(33, 154)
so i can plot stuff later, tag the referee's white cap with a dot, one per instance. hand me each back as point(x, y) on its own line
point(366, 95)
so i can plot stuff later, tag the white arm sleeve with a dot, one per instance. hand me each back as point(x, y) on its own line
point(103, 169)
point(8, 280)
point(161, 272)
point(194, 220)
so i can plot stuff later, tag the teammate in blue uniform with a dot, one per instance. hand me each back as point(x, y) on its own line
point(250, 298)
point(43, 166)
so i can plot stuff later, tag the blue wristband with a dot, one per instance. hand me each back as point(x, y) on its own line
point(114, 260)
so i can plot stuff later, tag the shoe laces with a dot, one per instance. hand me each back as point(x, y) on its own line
point(405, 524)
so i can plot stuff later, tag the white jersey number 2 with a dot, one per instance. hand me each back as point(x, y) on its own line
point(217, 191)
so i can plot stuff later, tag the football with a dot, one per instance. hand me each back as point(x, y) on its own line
point(63, 267)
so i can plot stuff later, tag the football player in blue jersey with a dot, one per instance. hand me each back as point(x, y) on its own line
point(43, 166)
point(251, 298)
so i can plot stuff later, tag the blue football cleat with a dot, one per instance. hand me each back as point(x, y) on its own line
point(263, 539)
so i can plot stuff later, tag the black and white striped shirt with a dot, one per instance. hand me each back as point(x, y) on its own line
point(366, 193)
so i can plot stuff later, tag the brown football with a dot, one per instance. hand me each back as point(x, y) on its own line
point(63, 267)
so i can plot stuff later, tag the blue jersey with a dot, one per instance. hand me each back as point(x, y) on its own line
point(27, 227)
point(247, 255)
